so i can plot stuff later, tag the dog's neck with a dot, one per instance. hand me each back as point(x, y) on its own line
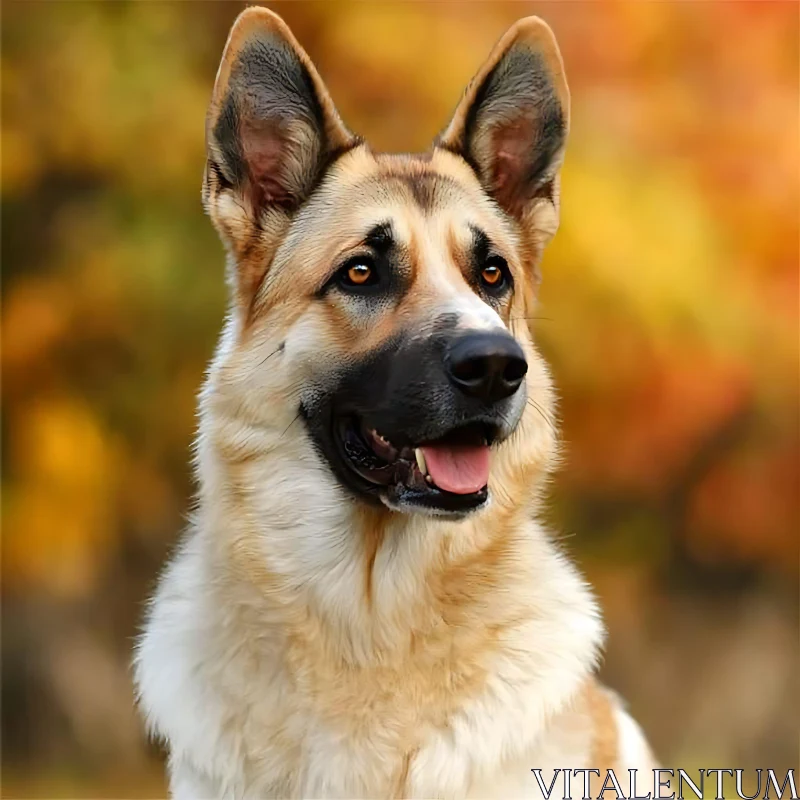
point(288, 547)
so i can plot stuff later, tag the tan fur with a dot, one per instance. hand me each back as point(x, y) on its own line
point(303, 644)
point(605, 745)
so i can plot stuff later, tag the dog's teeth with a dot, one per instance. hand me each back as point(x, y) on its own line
point(429, 479)
point(377, 437)
point(423, 467)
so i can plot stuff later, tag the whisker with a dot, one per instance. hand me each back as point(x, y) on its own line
point(289, 426)
point(268, 357)
point(543, 414)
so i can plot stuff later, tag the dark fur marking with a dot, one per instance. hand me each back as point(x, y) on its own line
point(221, 183)
point(518, 88)
point(272, 83)
point(269, 90)
point(390, 262)
point(482, 250)
point(226, 135)
point(274, 90)
point(423, 189)
point(380, 237)
point(403, 390)
point(426, 187)
point(479, 255)
point(480, 247)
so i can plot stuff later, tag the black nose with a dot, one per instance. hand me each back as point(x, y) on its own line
point(489, 366)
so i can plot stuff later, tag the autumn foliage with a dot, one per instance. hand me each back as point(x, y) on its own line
point(669, 312)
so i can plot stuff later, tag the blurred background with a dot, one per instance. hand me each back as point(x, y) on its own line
point(670, 318)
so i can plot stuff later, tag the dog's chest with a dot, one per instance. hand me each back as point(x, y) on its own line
point(376, 748)
point(259, 700)
point(324, 728)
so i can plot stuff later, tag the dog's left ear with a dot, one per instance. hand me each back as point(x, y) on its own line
point(271, 132)
point(511, 126)
point(272, 126)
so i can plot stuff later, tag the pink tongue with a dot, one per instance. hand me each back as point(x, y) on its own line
point(461, 470)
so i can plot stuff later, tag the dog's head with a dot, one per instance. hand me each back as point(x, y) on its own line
point(383, 301)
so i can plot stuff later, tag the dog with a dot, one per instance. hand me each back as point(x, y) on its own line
point(365, 603)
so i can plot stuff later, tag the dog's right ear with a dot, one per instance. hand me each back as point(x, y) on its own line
point(511, 125)
point(271, 129)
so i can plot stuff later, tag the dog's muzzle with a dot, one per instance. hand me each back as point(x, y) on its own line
point(413, 425)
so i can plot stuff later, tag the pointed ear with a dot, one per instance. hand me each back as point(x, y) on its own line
point(512, 123)
point(271, 127)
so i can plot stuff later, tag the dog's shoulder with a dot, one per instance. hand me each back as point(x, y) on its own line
point(174, 664)
point(591, 738)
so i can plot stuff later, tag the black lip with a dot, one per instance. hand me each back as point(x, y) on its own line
point(438, 501)
point(400, 484)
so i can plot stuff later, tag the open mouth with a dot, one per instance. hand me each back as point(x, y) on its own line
point(448, 475)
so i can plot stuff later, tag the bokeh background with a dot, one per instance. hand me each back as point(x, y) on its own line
point(670, 317)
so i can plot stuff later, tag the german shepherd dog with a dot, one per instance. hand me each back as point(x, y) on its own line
point(365, 605)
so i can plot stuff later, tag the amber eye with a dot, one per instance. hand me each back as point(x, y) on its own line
point(493, 274)
point(359, 274)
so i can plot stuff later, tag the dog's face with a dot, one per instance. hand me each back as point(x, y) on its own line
point(385, 300)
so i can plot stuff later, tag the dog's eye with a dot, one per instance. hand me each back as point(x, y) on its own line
point(358, 272)
point(493, 274)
